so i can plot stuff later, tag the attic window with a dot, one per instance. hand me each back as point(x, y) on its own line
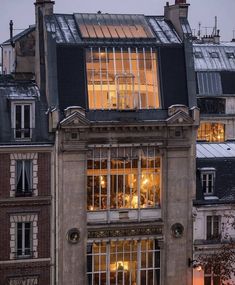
point(198, 54)
point(214, 54)
point(208, 180)
point(230, 55)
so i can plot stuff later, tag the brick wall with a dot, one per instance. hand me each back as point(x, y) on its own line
point(4, 175)
point(44, 174)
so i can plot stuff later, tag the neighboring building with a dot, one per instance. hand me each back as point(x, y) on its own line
point(215, 75)
point(25, 191)
point(215, 198)
point(214, 205)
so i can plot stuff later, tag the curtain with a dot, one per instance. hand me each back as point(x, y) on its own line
point(28, 175)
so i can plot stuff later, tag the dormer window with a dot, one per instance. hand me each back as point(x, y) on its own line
point(198, 54)
point(214, 54)
point(208, 180)
point(230, 55)
point(23, 120)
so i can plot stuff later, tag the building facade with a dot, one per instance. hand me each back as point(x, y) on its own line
point(115, 119)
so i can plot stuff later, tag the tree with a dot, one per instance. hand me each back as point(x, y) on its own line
point(220, 261)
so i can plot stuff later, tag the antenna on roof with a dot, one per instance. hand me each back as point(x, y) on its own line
point(214, 33)
point(199, 30)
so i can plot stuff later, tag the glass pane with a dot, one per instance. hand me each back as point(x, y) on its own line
point(26, 121)
point(19, 238)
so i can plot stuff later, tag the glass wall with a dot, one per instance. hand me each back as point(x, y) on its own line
point(121, 262)
point(211, 132)
point(123, 178)
point(122, 79)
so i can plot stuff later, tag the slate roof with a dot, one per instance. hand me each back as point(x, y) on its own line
point(206, 59)
point(215, 150)
point(88, 28)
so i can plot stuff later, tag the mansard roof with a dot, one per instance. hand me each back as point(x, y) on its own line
point(22, 91)
point(112, 28)
point(220, 159)
point(22, 34)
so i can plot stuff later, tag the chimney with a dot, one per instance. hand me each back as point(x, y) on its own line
point(175, 13)
point(42, 8)
point(11, 33)
point(217, 37)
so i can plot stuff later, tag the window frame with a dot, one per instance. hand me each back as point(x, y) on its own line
point(123, 259)
point(213, 227)
point(24, 234)
point(211, 276)
point(22, 130)
point(208, 176)
point(129, 178)
point(113, 63)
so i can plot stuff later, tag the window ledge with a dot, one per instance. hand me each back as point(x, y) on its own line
point(123, 215)
point(210, 197)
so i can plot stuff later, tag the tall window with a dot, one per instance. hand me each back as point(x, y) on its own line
point(122, 78)
point(211, 276)
point(23, 177)
point(22, 123)
point(24, 242)
point(123, 178)
point(129, 262)
point(208, 181)
point(211, 132)
point(212, 227)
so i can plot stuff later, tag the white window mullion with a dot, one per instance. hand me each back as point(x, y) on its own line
point(145, 77)
point(154, 80)
point(93, 81)
point(138, 261)
point(138, 76)
point(107, 76)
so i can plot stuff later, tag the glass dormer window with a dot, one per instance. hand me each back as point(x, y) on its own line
point(122, 79)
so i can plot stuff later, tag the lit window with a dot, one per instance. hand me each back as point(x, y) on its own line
point(123, 178)
point(212, 227)
point(26, 280)
point(211, 276)
point(24, 236)
point(208, 181)
point(122, 79)
point(211, 132)
point(22, 120)
point(124, 262)
point(23, 177)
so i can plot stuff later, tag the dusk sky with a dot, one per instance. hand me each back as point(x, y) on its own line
point(204, 11)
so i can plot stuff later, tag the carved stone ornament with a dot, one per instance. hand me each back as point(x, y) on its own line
point(177, 230)
point(73, 235)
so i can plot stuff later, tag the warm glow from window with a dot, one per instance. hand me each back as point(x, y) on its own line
point(122, 79)
point(211, 132)
point(123, 178)
point(124, 262)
